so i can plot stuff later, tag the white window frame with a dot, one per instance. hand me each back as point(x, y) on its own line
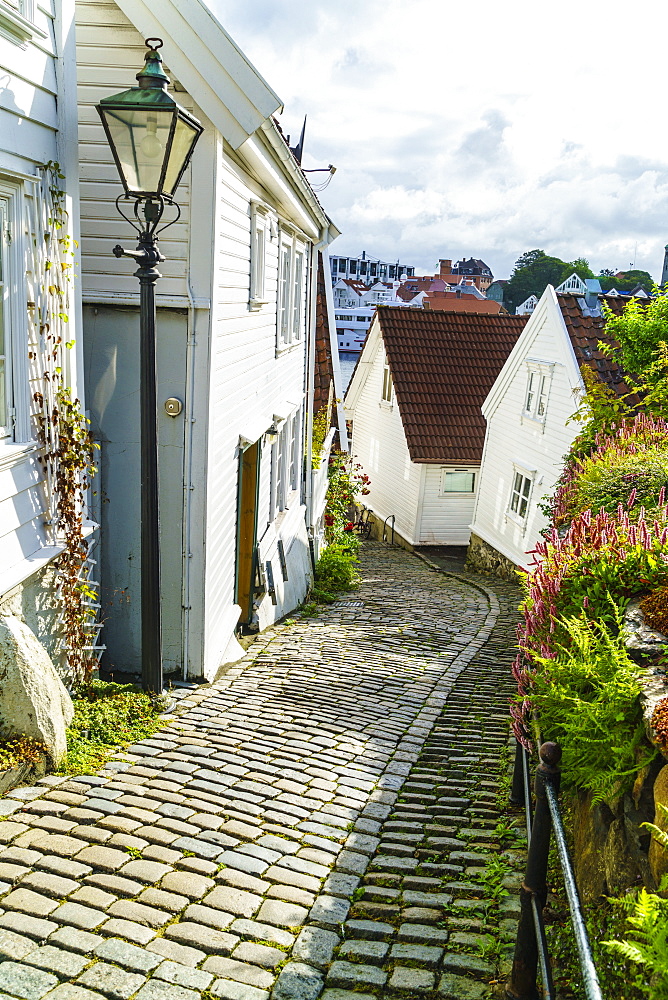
point(387, 385)
point(445, 472)
point(521, 492)
point(290, 302)
point(14, 306)
point(537, 391)
point(17, 21)
point(285, 466)
point(259, 229)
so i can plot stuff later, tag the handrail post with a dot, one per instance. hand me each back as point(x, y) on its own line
point(522, 982)
point(517, 787)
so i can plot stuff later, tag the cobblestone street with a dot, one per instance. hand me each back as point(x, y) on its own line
point(321, 822)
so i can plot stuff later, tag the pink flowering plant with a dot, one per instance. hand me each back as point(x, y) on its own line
point(608, 543)
point(337, 566)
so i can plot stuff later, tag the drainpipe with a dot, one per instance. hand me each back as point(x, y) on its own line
point(188, 487)
point(310, 376)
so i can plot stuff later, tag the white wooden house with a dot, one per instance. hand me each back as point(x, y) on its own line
point(236, 318)
point(37, 130)
point(414, 402)
point(528, 430)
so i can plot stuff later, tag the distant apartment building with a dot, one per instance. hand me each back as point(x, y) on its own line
point(368, 269)
point(471, 271)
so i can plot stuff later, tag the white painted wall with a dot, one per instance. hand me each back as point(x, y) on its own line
point(250, 382)
point(37, 66)
point(236, 381)
point(445, 518)
point(110, 53)
point(515, 441)
point(379, 444)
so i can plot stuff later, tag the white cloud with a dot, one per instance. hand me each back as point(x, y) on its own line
point(485, 132)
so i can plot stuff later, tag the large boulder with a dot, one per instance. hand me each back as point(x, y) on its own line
point(33, 699)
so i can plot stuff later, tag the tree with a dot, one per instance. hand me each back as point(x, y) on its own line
point(627, 280)
point(641, 332)
point(535, 270)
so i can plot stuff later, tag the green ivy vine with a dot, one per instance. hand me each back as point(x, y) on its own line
point(67, 455)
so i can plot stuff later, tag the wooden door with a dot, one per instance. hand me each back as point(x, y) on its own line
point(249, 466)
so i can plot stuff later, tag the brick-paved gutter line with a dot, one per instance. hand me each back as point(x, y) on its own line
point(97, 864)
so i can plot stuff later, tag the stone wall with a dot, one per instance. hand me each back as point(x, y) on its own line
point(483, 558)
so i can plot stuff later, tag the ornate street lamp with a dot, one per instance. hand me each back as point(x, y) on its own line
point(152, 140)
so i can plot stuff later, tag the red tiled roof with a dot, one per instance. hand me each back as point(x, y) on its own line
point(586, 332)
point(443, 364)
point(461, 303)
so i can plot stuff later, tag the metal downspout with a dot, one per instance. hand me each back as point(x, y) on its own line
point(191, 345)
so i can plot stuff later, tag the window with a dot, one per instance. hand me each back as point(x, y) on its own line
point(458, 481)
point(342, 265)
point(291, 274)
point(258, 236)
point(519, 496)
point(16, 20)
point(285, 452)
point(386, 395)
point(14, 404)
point(537, 390)
point(5, 394)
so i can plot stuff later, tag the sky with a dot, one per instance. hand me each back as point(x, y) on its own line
point(480, 130)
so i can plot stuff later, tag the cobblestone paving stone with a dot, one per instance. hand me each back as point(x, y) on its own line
point(222, 855)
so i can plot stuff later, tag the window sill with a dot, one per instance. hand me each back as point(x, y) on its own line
point(386, 404)
point(520, 522)
point(13, 454)
point(533, 421)
point(286, 348)
point(255, 305)
point(17, 27)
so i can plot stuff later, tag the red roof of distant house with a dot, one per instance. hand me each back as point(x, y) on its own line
point(461, 303)
point(443, 364)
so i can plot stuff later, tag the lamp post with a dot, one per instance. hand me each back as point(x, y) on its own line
point(152, 140)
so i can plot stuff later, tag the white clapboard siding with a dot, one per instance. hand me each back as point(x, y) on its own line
point(445, 518)
point(535, 446)
point(110, 53)
point(248, 385)
point(28, 139)
point(379, 444)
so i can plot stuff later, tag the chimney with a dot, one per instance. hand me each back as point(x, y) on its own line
point(445, 267)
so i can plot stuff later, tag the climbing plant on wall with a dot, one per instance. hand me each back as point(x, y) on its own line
point(62, 428)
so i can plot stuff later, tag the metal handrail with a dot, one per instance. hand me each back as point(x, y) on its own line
point(392, 517)
point(531, 945)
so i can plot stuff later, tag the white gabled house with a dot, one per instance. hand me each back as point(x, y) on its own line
point(414, 402)
point(236, 323)
point(38, 304)
point(528, 430)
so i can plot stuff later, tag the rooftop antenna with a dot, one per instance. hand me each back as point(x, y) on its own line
point(298, 150)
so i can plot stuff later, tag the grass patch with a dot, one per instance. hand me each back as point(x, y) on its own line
point(107, 717)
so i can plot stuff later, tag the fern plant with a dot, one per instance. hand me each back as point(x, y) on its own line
point(587, 697)
point(647, 947)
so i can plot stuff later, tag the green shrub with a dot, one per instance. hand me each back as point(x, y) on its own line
point(336, 572)
point(587, 697)
point(607, 480)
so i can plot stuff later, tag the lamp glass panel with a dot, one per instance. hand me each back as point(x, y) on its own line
point(140, 138)
point(184, 139)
